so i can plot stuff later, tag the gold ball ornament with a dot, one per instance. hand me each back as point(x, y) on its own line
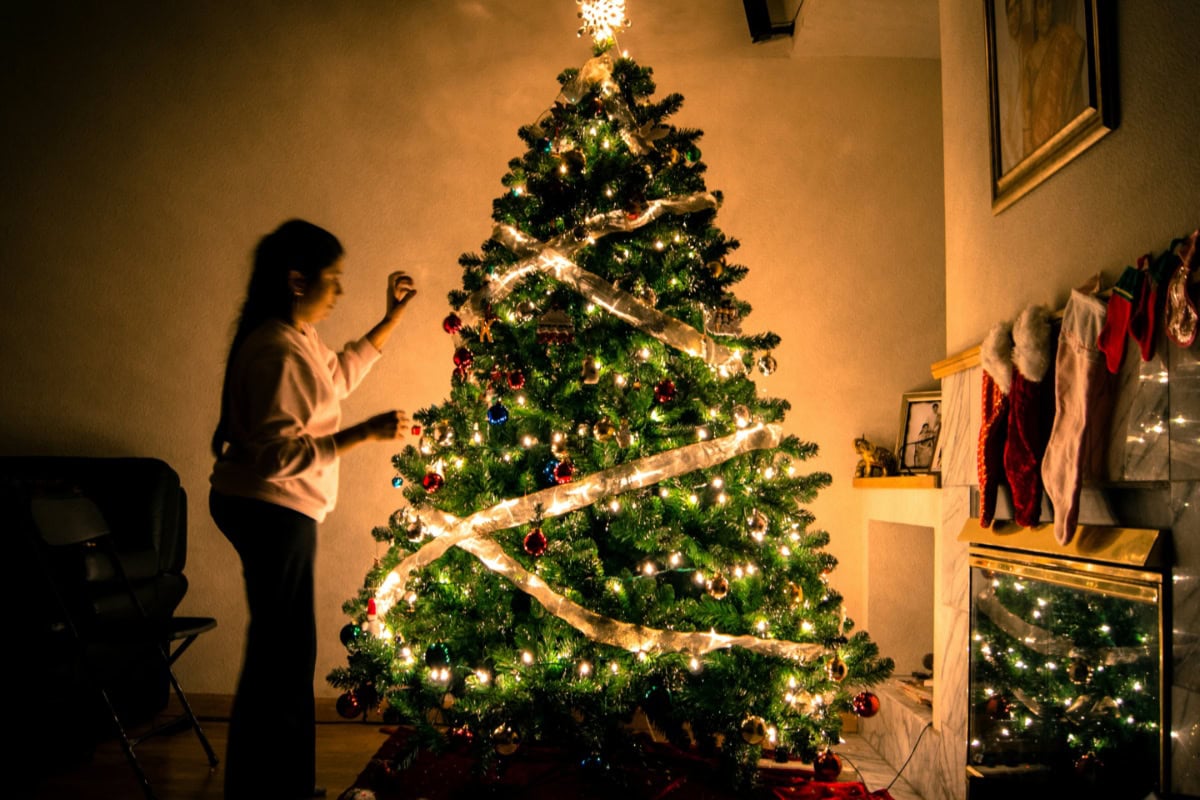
point(794, 592)
point(759, 524)
point(837, 670)
point(604, 429)
point(505, 740)
point(754, 730)
point(718, 586)
point(1079, 671)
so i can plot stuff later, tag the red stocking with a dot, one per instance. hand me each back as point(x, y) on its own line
point(996, 357)
point(1143, 321)
point(1030, 410)
point(1111, 340)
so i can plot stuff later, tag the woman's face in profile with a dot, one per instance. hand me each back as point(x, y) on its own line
point(319, 298)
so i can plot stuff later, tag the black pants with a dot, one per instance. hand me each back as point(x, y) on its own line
point(272, 731)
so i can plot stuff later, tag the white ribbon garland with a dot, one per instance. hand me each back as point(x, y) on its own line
point(469, 533)
point(553, 258)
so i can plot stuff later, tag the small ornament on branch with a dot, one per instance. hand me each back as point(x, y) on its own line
point(497, 414)
point(827, 766)
point(433, 481)
point(604, 429)
point(348, 705)
point(865, 704)
point(718, 586)
point(837, 669)
point(754, 730)
point(555, 327)
point(463, 359)
point(664, 391)
point(535, 542)
point(591, 371)
point(452, 324)
point(505, 740)
point(723, 320)
point(437, 655)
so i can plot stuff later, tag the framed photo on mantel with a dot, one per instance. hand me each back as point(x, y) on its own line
point(920, 430)
point(1051, 92)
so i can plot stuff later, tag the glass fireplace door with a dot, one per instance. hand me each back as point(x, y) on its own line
point(1066, 678)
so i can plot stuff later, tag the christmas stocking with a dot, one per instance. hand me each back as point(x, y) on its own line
point(1120, 307)
point(1143, 321)
point(996, 357)
point(1030, 409)
point(1082, 392)
point(1181, 314)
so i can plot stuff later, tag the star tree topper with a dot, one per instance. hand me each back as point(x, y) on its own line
point(602, 19)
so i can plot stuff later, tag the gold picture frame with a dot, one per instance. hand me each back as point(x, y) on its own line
point(1051, 92)
point(920, 430)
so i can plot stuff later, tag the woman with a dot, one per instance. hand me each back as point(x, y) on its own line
point(277, 446)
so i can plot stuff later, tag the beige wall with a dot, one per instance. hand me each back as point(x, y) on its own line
point(148, 146)
point(1132, 192)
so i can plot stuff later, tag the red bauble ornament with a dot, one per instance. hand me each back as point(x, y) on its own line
point(564, 472)
point(664, 392)
point(452, 323)
point(516, 379)
point(827, 766)
point(432, 482)
point(997, 707)
point(1089, 766)
point(463, 359)
point(865, 704)
point(462, 736)
point(416, 430)
point(535, 542)
point(348, 705)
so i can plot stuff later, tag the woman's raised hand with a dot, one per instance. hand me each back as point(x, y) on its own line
point(400, 290)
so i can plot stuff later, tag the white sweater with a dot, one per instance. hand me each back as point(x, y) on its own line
point(285, 388)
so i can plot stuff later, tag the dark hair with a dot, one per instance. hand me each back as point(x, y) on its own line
point(294, 245)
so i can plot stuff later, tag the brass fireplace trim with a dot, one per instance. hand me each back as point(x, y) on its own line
point(1142, 587)
point(1094, 545)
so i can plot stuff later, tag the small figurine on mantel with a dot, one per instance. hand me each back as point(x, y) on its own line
point(873, 461)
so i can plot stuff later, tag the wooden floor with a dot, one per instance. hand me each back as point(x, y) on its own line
point(178, 768)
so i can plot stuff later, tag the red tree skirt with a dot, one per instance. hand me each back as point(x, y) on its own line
point(543, 773)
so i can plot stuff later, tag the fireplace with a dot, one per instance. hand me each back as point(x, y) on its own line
point(1067, 668)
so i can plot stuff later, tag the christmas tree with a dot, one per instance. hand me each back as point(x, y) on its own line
point(605, 518)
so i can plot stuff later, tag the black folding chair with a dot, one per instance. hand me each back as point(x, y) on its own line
point(74, 535)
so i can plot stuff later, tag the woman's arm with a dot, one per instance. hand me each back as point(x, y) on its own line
point(388, 425)
point(400, 292)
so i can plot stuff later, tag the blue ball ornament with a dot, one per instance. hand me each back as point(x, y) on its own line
point(497, 414)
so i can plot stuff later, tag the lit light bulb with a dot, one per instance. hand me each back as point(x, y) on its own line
point(527, 657)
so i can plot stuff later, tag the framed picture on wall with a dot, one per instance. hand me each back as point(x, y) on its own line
point(920, 430)
point(1050, 88)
